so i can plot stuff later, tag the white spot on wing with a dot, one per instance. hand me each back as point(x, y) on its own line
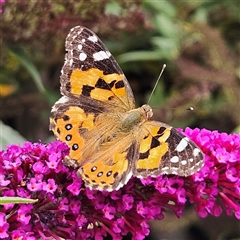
point(174, 159)
point(98, 56)
point(62, 100)
point(191, 168)
point(82, 56)
point(196, 151)
point(184, 162)
point(79, 46)
point(93, 39)
point(199, 163)
point(182, 144)
point(165, 169)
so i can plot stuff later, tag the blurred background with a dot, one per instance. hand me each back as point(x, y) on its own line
point(198, 40)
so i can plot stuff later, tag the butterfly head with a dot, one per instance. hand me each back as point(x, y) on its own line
point(147, 110)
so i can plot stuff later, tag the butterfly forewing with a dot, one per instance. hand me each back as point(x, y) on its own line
point(91, 71)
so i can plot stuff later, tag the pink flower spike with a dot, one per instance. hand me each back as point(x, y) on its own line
point(33, 185)
point(66, 209)
point(81, 220)
point(23, 213)
point(75, 206)
point(141, 210)
point(74, 188)
point(222, 155)
point(3, 182)
point(50, 187)
point(127, 201)
point(118, 225)
point(53, 160)
point(232, 174)
point(39, 167)
point(63, 205)
point(4, 226)
point(109, 211)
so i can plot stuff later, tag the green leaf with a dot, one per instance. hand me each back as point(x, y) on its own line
point(162, 6)
point(165, 26)
point(201, 15)
point(237, 130)
point(28, 65)
point(113, 8)
point(158, 97)
point(165, 53)
point(51, 96)
point(169, 47)
point(139, 56)
point(9, 136)
point(9, 200)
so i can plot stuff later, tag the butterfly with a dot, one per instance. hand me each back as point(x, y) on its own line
point(111, 140)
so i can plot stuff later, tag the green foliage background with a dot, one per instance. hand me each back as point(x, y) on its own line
point(198, 40)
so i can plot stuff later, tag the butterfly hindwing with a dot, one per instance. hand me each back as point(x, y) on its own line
point(110, 168)
point(164, 150)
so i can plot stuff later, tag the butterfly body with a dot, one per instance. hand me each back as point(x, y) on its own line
point(110, 139)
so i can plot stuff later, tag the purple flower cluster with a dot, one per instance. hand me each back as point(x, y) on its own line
point(217, 185)
point(66, 209)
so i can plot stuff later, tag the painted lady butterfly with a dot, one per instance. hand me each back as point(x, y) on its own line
point(109, 139)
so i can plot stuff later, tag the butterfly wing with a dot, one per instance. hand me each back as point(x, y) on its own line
point(94, 90)
point(111, 167)
point(91, 71)
point(164, 150)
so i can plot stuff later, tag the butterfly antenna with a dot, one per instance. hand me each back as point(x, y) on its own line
point(163, 68)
